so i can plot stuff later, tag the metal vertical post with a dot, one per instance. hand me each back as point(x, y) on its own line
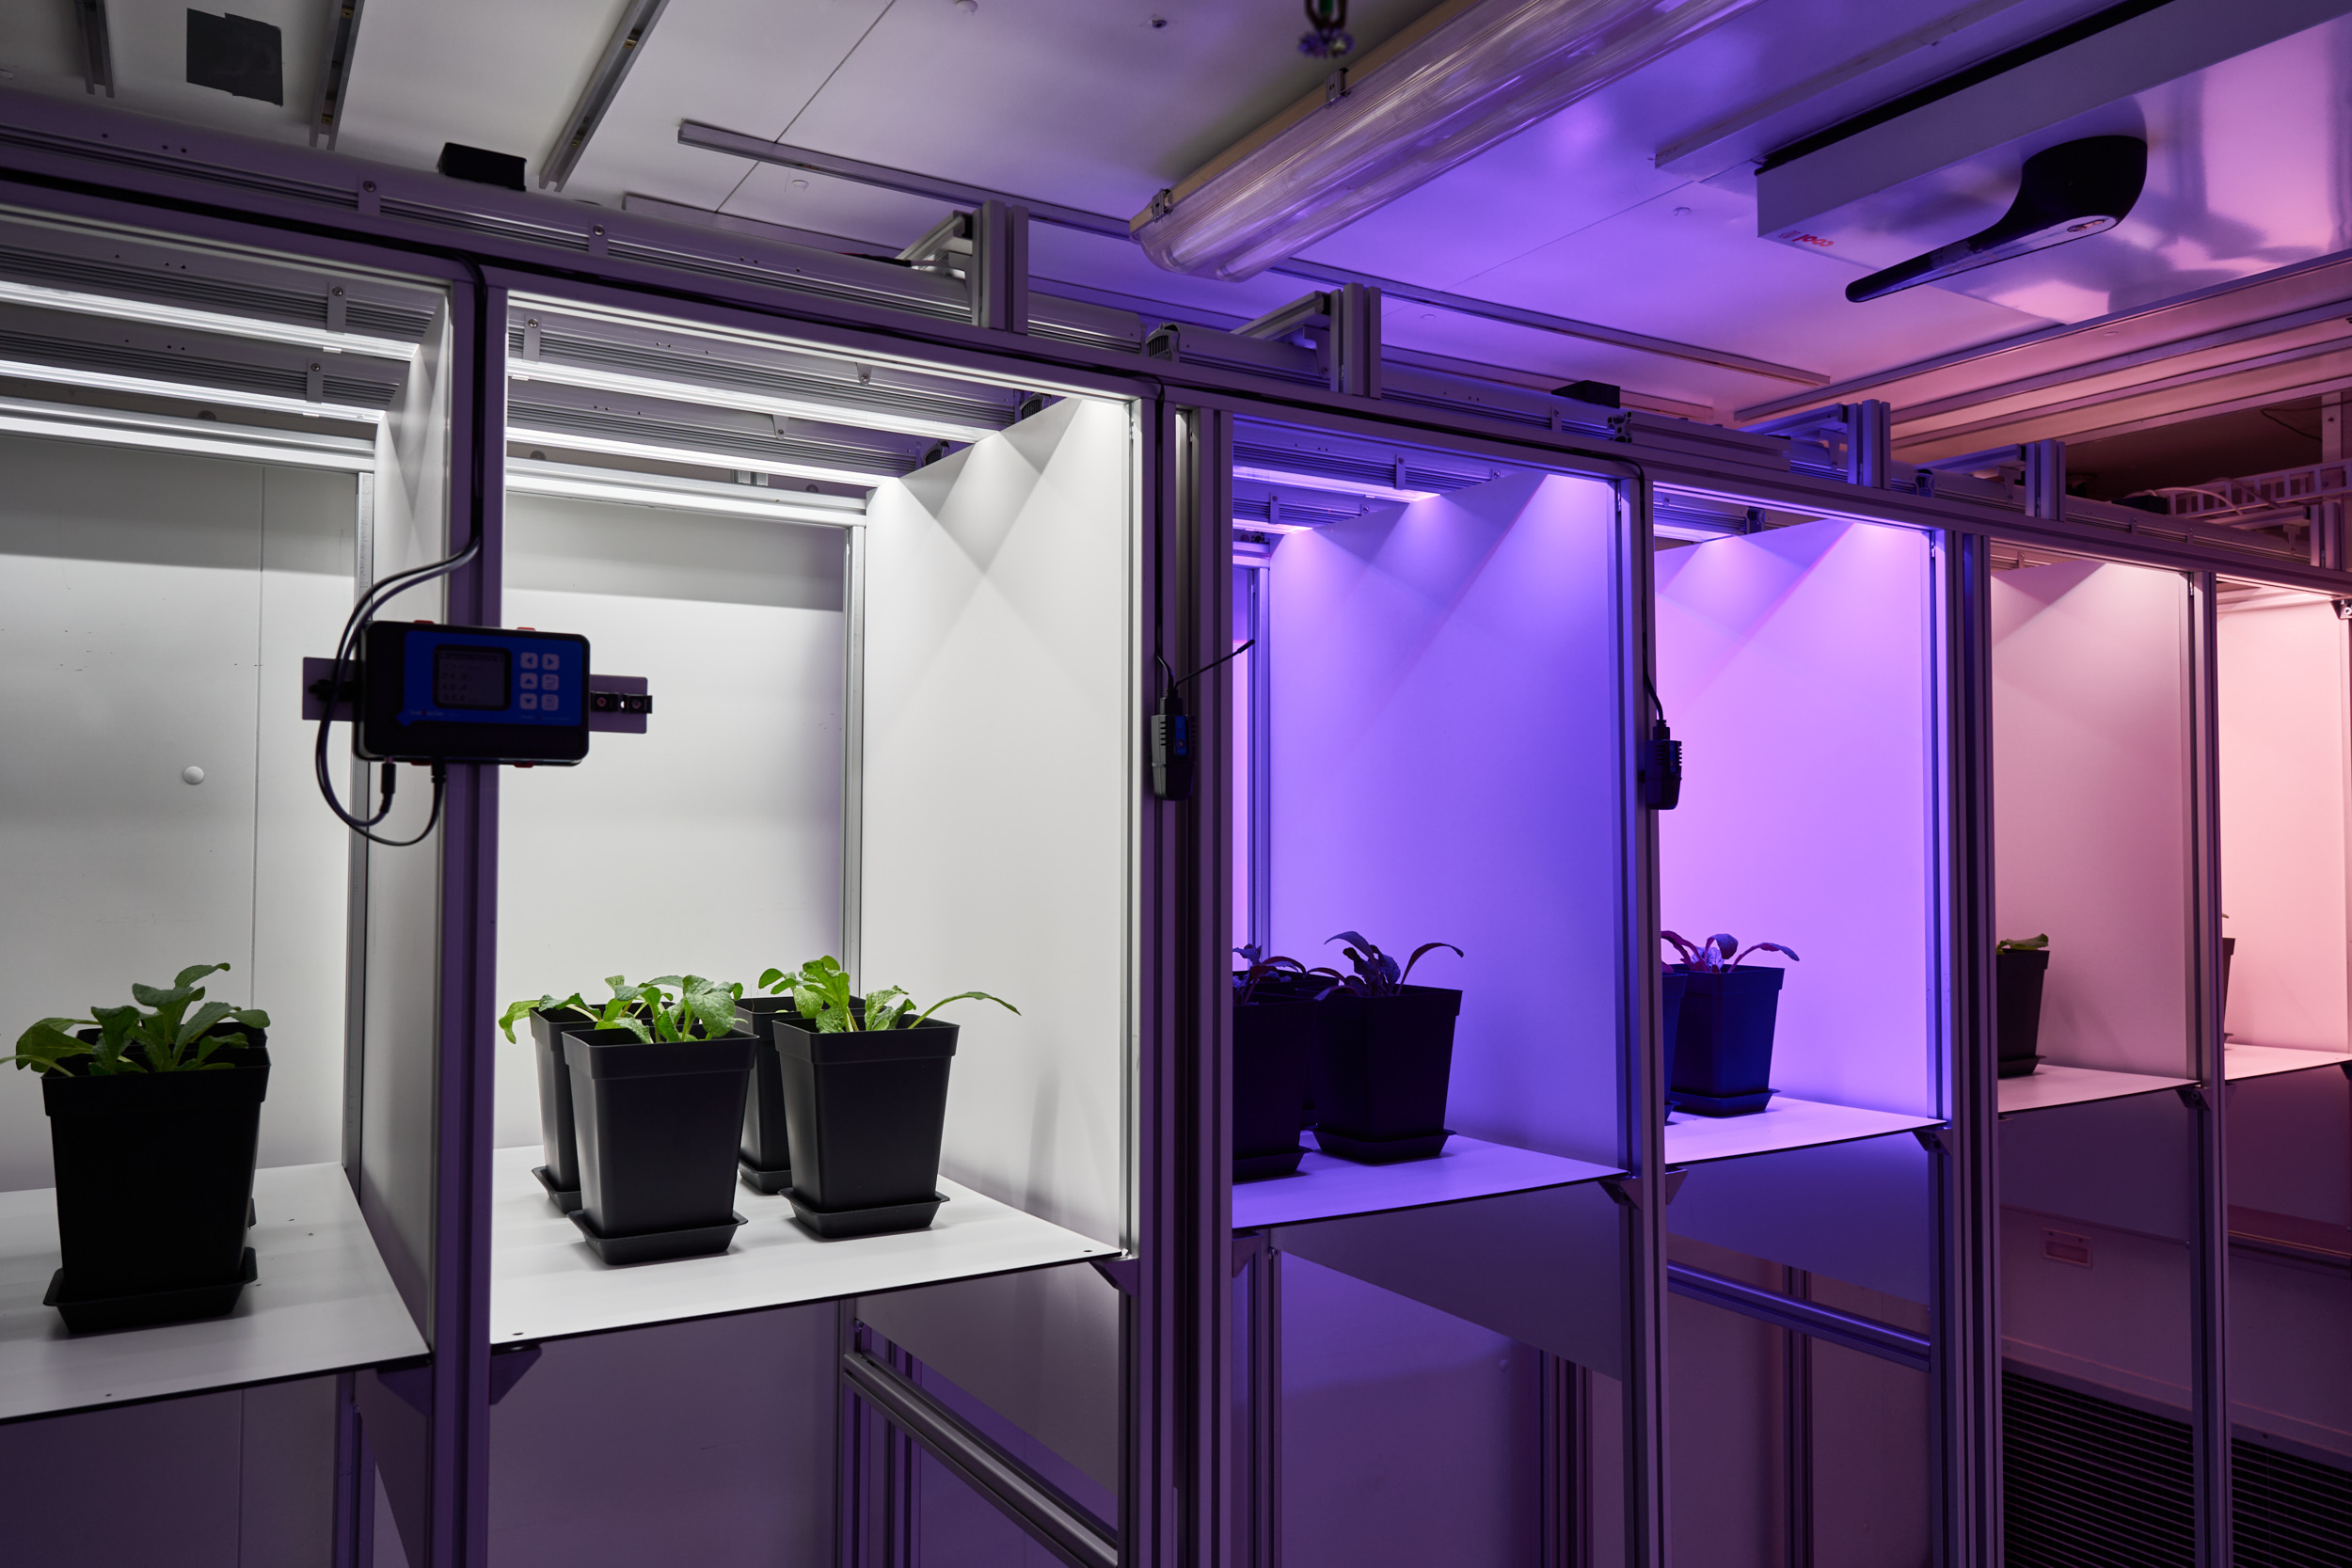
point(1964, 1367)
point(1266, 1405)
point(1797, 1430)
point(852, 751)
point(1642, 1125)
point(2046, 480)
point(2210, 1345)
point(1563, 1414)
point(1261, 674)
point(1869, 442)
point(999, 278)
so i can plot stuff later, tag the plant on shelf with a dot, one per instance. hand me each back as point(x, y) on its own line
point(1286, 978)
point(154, 1122)
point(2020, 964)
point(865, 1100)
point(1724, 1011)
point(657, 1081)
point(1276, 1033)
point(552, 1018)
point(1376, 973)
point(1720, 951)
point(820, 994)
point(764, 1155)
point(1384, 1061)
point(164, 1038)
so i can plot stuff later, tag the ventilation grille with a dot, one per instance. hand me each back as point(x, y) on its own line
point(2095, 1484)
point(2090, 1483)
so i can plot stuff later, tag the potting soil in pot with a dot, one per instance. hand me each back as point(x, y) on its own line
point(2017, 979)
point(1381, 1072)
point(657, 1125)
point(154, 1183)
point(865, 1111)
point(1275, 1039)
point(1722, 1055)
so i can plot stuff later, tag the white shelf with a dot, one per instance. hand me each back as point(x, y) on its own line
point(544, 1282)
point(2264, 1061)
point(2052, 1085)
point(1328, 1189)
point(1785, 1124)
point(324, 1303)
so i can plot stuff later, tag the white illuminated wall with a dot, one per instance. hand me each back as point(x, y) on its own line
point(2091, 804)
point(154, 610)
point(1796, 667)
point(711, 844)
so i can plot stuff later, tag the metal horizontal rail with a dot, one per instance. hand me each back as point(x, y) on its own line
point(1866, 1335)
point(716, 139)
point(1027, 1499)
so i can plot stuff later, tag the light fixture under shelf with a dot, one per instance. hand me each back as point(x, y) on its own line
point(1332, 485)
point(574, 482)
point(657, 452)
point(594, 380)
point(114, 308)
point(228, 396)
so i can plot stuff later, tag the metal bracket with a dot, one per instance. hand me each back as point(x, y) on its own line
point(2192, 1095)
point(1248, 1248)
point(1124, 1274)
point(1931, 1139)
point(411, 1383)
point(507, 1365)
point(1627, 1190)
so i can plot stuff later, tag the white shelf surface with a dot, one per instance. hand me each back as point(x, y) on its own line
point(2264, 1061)
point(544, 1282)
point(324, 1303)
point(1784, 1123)
point(1328, 1189)
point(2052, 1085)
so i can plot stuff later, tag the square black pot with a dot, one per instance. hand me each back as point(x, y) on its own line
point(1382, 1068)
point(1671, 987)
point(866, 1112)
point(1274, 1040)
point(657, 1125)
point(1722, 1059)
point(2017, 978)
point(155, 1181)
point(559, 1145)
point(766, 1154)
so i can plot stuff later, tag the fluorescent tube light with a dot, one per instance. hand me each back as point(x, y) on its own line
point(1442, 91)
point(228, 396)
point(571, 482)
point(557, 373)
point(1695, 532)
point(1259, 525)
point(694, 457)
point(200, 437)
point(1336, 487)
point(113, 309)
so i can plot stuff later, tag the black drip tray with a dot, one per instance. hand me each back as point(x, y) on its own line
point(659, 1246)
point(836, 1225)
point(188, 1304)
point(564, 1199)
point(1383, 1152)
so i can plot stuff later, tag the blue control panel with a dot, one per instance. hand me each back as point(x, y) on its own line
point(432, 693)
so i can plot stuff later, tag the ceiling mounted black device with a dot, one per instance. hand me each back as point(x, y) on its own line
point(2067, 192)
point(238, 55)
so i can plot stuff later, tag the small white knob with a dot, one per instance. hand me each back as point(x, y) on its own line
point(192, 775)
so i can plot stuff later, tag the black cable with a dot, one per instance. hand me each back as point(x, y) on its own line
point(1168, 673)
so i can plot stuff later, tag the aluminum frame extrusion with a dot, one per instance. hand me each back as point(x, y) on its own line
point(1866, 1335)
point(335, 61)
point(96, 46)
point(2209, 1263)
point(621, 51)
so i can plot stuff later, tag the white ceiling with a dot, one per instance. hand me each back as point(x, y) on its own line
point(1085, 103)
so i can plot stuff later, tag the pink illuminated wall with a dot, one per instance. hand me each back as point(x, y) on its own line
point(2091, 804)
point(1795, 666)
point(1446, 753)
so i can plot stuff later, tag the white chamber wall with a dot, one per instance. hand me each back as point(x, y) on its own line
point(155, 611)
point(711, 844)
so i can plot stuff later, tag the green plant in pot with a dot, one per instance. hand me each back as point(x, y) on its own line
point(765, 1157)
point(1723, 1045)
point(2019, 966)
point(1277, 1028)
point(154, 1123)
point(552, 1018)
point(865, 1101)
point(1386, 1058)
point(658, 1089)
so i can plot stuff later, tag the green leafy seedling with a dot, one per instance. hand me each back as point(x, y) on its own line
point(2022, 944)
point(820, 993)
point(155, 1034)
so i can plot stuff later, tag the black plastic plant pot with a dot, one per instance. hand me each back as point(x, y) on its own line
point(558, 1145)
point(1380, 1073)
point(657, 1125)
point(765, 1156)
point(1670, 985)
point(2228, 952)
point(865, 1111)
point(1275, 1039)
point(2017, 977)
point(1722, 1062)
point(154, 1183)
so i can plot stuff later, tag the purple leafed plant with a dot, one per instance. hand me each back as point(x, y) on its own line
point(1376, 973)
point(1263, 969)
point(1720, 951)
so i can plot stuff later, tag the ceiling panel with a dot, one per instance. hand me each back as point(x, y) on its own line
point(501, 76)
point(38, 41)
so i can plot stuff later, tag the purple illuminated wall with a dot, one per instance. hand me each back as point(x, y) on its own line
point(1794, 665)
point(1444, 758)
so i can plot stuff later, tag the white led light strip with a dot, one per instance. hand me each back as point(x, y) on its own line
point(25, 369)
point(113, 309)
point(1336, 487)
point(657, 452)
point(707, 396)
point(529, 477)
